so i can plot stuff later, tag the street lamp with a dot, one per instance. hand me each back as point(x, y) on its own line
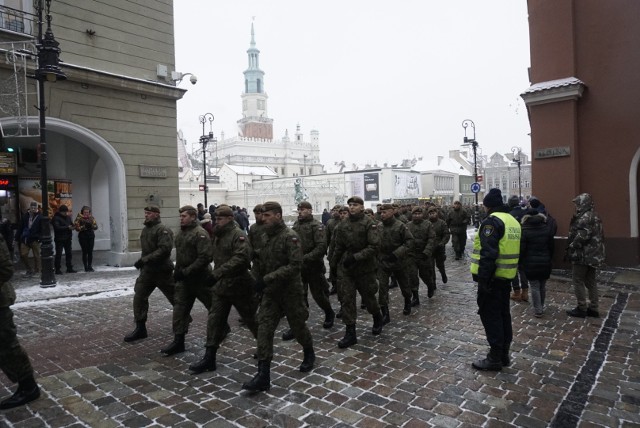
point(517, 151)
point(474, 145)
point(49, 70)
point(204, 140)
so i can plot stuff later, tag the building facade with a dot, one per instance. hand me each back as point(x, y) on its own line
point(583, 108)
point(111, 125)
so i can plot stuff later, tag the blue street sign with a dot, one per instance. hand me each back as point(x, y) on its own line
point(475, 187)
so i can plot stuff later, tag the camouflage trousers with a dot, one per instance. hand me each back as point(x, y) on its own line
point(14, 360)
point(146, 283)
point(350, 285)
point(399, 270)
point(185, 296)
point(459, 241)
point(437, 260)
point(288, 301)
point(420, 268)
point(315, 281)
point(245, 302)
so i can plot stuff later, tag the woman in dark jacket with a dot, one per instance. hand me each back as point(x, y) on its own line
point(85, 224)
point(536, 252)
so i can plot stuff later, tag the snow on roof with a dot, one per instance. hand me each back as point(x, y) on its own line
point(440, 163)
point(553, 84)
point(251, 170)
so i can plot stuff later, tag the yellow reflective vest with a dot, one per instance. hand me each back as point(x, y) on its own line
point(508, 249)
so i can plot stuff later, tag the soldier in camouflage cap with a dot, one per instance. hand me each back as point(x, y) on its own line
point(420, 262)
point(439, 254)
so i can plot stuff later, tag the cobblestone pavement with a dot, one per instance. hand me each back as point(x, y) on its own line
point(565, 372)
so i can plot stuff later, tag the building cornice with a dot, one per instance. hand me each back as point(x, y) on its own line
point(551, 91)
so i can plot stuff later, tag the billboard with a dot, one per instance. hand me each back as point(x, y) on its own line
point(406, 185)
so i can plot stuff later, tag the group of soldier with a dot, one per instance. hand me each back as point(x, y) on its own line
point(268, 273)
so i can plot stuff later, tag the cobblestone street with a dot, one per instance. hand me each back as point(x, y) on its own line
point(565, 372)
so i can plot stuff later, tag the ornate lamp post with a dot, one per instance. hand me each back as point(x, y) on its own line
point(49, 70)
point(204, 140)
point(474, 145)
point(517, 151)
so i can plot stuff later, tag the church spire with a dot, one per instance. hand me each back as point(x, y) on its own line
point(253, 76)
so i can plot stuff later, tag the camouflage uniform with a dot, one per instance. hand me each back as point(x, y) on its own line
point(156, 241)
point(314, 246)
point(393, 258)
point(458, 220)
point(256, 239)
point(421, 260)
point(233, 282)
point(331, 226)
point(439, 254)
point(193, 258)
point(14, 360)
point(279, 265)
point(586, 252)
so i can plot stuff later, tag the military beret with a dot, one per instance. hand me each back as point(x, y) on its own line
point(432, 210)
point(344, 208)
point(355, 200)
point(152, 208)
point(257, 208)
point(188, 208)
point(224, 211)
point(272, 206)
point(386, 207)
point(336, 208)
point(305, 204)
point(417, 210)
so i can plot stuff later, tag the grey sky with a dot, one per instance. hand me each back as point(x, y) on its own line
point(381, 81)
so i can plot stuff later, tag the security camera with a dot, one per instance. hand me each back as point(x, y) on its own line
point(193, 79)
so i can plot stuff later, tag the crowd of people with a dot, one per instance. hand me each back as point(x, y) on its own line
point(267, 270)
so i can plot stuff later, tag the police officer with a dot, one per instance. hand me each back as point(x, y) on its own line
point(420, 262)
point(458, 220)
point(279, 283)
point(14, 360)
point(156, 242)
point(193, 258)
point(396, 243)
point(314, 246)
point(232, 285)
point(356, 246)
point(494, 263)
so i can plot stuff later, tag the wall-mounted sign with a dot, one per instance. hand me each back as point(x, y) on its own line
point(151, 171)
point(552, 152)
point(8, 163)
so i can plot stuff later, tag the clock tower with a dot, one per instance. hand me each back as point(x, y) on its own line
point(255, 122)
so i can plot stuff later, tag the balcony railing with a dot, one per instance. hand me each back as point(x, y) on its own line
point(17, 21)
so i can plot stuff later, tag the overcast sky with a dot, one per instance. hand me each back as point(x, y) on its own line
point(381, 81)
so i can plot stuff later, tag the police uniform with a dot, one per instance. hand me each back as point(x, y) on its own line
point(494, 263)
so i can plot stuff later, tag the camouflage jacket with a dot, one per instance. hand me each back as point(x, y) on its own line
point(256, 239)
point(586, 234)
point(357, 235)
point(313, 239)
point(424, 237)
point(280, 260)
point(458, 220)
point(442, 233)
point(396, 239)
point(331, 227)
point(7, 293)
point(231, 258)
point(156, 241)
point(193, 250)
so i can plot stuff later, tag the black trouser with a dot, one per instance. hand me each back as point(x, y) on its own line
point(494, 309)
point(14, 360)
point(86, 243)
point(66, 246)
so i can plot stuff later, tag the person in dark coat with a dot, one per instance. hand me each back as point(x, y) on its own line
point(63, 233)
point(325, 216)
point(30, 235)
point(520, 285)
point(536, 253)
point(86, 226)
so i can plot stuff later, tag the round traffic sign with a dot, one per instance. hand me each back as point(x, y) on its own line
point(475, 187)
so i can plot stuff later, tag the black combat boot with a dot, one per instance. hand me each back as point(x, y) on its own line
point(176, 346)
point(377, 324)
point(27, 391)
point(431, 290)
point(386, 318)
point(140, 332)
point(407, 306)
point(329, 317)
point(207, 363)
point(493, 362)
point(506, 359)
point(349, 337)
point(415, 300)
point(262, 380)
point(288, 335)
point(308, 360)
point(444, 276)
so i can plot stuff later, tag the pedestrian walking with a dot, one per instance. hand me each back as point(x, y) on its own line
point(278, 281)
point(191, 274)
point(421, 260)
point(232, 285)
point(156, 243)
point(86, 226)
point(494, 263)
point(356, 246)
point(520, 284)
point(14, 360)
point(458, 221)
point(63, 234)
point(30, 236)
point(586, 252)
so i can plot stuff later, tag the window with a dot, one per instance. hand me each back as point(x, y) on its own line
point(12, 19)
